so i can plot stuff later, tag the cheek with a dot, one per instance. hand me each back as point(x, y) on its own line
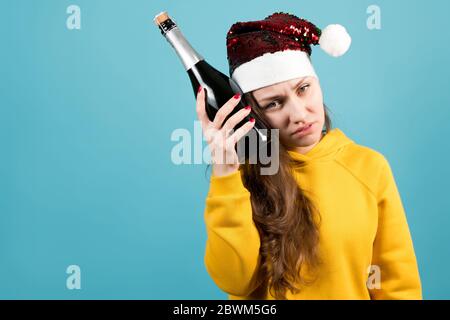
point(275, 119)
point(319, 110)
point(316, 101)
point(278, 120)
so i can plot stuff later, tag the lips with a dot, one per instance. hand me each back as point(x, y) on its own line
point(303, 128)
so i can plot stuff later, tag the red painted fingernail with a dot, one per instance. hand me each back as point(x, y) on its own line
point(237, 96)
point(252, 119)
point(248, 108)
point(199, 89)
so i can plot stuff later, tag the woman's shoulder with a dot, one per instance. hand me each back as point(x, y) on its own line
point(365, 163)
point(356, 154)
point(359, 153)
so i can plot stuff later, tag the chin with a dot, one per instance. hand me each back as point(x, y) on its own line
point(303, 142)
point(306, 140)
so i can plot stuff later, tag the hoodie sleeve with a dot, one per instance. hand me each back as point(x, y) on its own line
point(393, 252)
point(232, 246)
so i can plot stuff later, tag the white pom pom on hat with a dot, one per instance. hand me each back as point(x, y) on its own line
point(335, 40)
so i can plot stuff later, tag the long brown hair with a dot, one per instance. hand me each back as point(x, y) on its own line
point(286, 219)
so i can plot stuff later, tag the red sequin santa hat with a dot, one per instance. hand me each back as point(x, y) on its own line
point(278, 48)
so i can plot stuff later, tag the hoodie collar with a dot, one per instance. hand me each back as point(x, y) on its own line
point(326, 148)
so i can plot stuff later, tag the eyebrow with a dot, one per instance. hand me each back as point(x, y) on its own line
point(279, 96)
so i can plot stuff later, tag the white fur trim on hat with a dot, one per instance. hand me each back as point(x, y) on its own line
point(272, 68)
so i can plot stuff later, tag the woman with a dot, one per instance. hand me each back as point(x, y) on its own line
point(330, 223)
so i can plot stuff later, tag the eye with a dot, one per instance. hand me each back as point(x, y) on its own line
point(304, 88)
point(271, 105)
point(274, 103)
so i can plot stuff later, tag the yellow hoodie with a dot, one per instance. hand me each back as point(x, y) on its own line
point(365, 243)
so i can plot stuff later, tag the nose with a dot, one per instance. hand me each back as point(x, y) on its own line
point(297, 110)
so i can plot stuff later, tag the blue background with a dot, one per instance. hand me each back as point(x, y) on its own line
point(86, 116)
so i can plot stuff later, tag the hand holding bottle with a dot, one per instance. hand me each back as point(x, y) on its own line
point(220, 136)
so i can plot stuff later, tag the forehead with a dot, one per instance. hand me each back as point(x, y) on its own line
point(279, 86)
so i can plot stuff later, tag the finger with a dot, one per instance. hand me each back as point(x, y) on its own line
point(225, 110)
point(236, 118)
point(211, 134)
point(201, 109)
point(240, 132)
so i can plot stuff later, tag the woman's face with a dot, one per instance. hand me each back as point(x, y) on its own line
point(291, 105)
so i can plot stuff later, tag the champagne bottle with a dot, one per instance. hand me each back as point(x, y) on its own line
point(219, 87)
